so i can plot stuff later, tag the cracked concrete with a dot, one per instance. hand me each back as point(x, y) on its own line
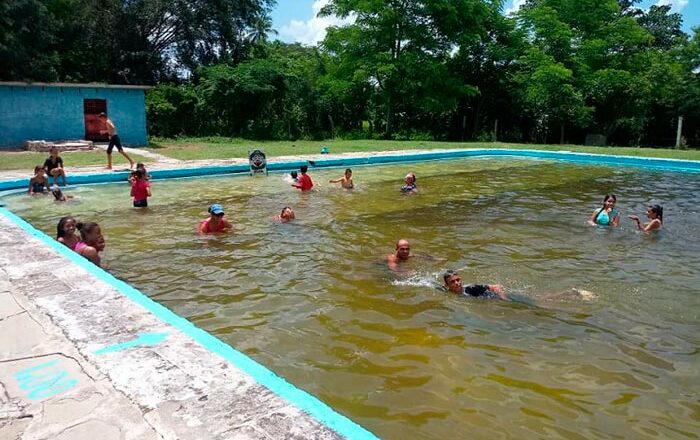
point(55, 315)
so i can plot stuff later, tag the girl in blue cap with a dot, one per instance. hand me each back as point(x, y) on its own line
point(216, 221)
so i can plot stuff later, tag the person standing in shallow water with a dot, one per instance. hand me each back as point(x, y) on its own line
point(655, 213)
point(216, 222)
point(607, 215)
point(305, 182)
point(345, 181)
point(114, 141)
point(402, 255)
point(410, 186)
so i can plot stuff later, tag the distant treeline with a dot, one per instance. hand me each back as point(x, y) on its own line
point(555, 71)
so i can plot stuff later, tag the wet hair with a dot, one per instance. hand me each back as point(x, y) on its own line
point(303, 169)
point(294, 174)
point(140, 173)
point(86, 228)
point(57, 193)
point(60, 228)
point(659, 211)
point(348, 170)
point(449, 273)
point(605, 199)
point(284, 209)
point(103, 115)
point(38, 168)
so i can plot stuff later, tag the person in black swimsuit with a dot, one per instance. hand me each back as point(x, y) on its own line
point(453, 283)
point(54, 166)
point(114, 141)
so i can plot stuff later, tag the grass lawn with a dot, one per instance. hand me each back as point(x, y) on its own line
point(227, 148)
point(24, 160)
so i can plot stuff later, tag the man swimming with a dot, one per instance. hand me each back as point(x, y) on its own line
point(453, 283)
point(402, 254)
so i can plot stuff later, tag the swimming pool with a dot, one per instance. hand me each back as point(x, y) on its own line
point(312, 301)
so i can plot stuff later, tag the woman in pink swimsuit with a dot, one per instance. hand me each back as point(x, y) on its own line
point(92, 241)
point(65, 232)
point(216, 221)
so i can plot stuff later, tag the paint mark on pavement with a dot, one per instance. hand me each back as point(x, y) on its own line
point(149, 339)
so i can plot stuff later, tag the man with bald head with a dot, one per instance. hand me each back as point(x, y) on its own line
point(402, 254)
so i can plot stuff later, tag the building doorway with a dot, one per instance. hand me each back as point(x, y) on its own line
point(93, 124)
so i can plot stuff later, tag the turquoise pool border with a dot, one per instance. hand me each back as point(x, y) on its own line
point(303, 400)
point(594, 159)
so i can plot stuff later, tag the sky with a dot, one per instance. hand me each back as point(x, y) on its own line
point(296, 21)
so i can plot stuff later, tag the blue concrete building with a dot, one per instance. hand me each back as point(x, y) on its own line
point(61, 111)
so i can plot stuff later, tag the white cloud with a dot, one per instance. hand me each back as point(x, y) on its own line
point(676, 5)
point(313, 30)
point(516, 5)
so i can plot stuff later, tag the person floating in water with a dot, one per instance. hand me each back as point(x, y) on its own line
point(58, 194)
point(345, 181)
point(453, 283)
point(410, 186)
point(305, 182)
point(655, 213)
point(38, 184)
point(92, 242)
point(608, 215)
point(286, 215)
point(216, 222)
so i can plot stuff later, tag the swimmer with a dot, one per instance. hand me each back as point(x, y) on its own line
point(305, 183)
point(286, 215)
point(38, 184)
point(92, 242)
point(58, 194)
point(216, 221)
point(345, 181)
point(607, 215)
point(453, 283)
point(294, 176)
point(655, 213)
point(65, 232)
point(410, 186)
point(402, 254)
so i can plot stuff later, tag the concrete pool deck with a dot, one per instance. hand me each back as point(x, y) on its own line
point(80, 361)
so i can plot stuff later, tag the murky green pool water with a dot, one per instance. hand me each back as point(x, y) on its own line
point(311, 301)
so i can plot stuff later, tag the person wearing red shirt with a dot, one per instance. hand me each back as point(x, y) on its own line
point(216, 222)
point(305, 182)
point(140, 189)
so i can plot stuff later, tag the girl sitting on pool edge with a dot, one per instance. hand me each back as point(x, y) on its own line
point(216, 222)
point(655, 213)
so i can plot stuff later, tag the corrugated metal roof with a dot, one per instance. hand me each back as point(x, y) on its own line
point(74, 85)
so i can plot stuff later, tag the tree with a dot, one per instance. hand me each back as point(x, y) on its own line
point(399, 47)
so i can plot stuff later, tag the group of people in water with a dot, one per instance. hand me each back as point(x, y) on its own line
point(608, 215)
point(87, 240)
